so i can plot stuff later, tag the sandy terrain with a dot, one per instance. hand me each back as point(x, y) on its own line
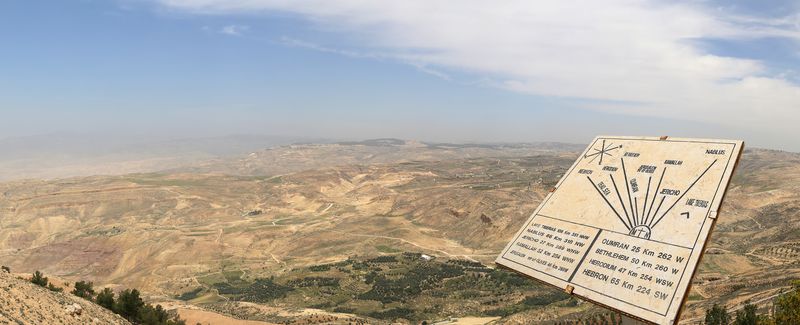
point(169, 233)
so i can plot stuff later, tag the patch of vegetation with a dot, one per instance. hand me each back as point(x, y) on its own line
point(345, 310)
point(393, 313)
point(53, 288)
point(386, 249)
point(786, 311)
point(382, 259)
point(189, 295)
point(320, 268)
point(468, 264)
point(787, 307)
point(39, 279)
point(717, 315)
point(694, 296)
point(210, 279)
point(129, 304)
point(417, 279)
point(84, 290)
point(601, 318)
point(314, 281)
point(104, 232)
point(746, 315)
point(105, 298)
point(260, 290)
point(233, 276)
point(396, 286)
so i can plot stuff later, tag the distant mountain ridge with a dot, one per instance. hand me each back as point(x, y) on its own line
point(70, 155)
point(307, 156)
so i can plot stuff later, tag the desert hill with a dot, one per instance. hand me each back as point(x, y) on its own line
point(129, 227)
point(26, 303)
point(754, 249)
point(280, 212)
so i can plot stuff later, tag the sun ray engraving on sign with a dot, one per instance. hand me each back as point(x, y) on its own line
point(642, 226)
point(626, 225)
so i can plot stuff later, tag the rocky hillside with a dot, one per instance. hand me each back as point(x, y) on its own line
point(171, 233)
point(22, 302)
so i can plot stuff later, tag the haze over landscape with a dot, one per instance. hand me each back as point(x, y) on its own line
point(437, 71)
point(364, 162)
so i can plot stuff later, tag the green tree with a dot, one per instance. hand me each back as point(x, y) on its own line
point(128, 304)
point(152, 316)
point(787, 307)
point(765, 320)
point(746, 315)
point(54, 288)
point(149, 315)
point(84, 289)
point(717, 315)
point(106, 298)
point(39, 279)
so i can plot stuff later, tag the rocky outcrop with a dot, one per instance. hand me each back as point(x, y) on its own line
point(22, 302)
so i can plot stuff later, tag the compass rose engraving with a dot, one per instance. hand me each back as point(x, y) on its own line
point(603, 151)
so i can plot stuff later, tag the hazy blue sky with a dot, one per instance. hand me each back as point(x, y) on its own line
point(430, 70)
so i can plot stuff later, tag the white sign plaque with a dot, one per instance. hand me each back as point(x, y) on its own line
point(625, 227)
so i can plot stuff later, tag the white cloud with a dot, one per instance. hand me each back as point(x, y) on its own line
point(234, 30)
point(359, 55)
point(316, 47)
point(638, 52)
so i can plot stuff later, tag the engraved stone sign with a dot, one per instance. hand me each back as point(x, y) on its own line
point(625, 227)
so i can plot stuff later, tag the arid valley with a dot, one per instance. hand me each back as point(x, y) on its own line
point(376, 232)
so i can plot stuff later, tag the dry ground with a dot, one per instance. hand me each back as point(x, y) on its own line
point(168, 232)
